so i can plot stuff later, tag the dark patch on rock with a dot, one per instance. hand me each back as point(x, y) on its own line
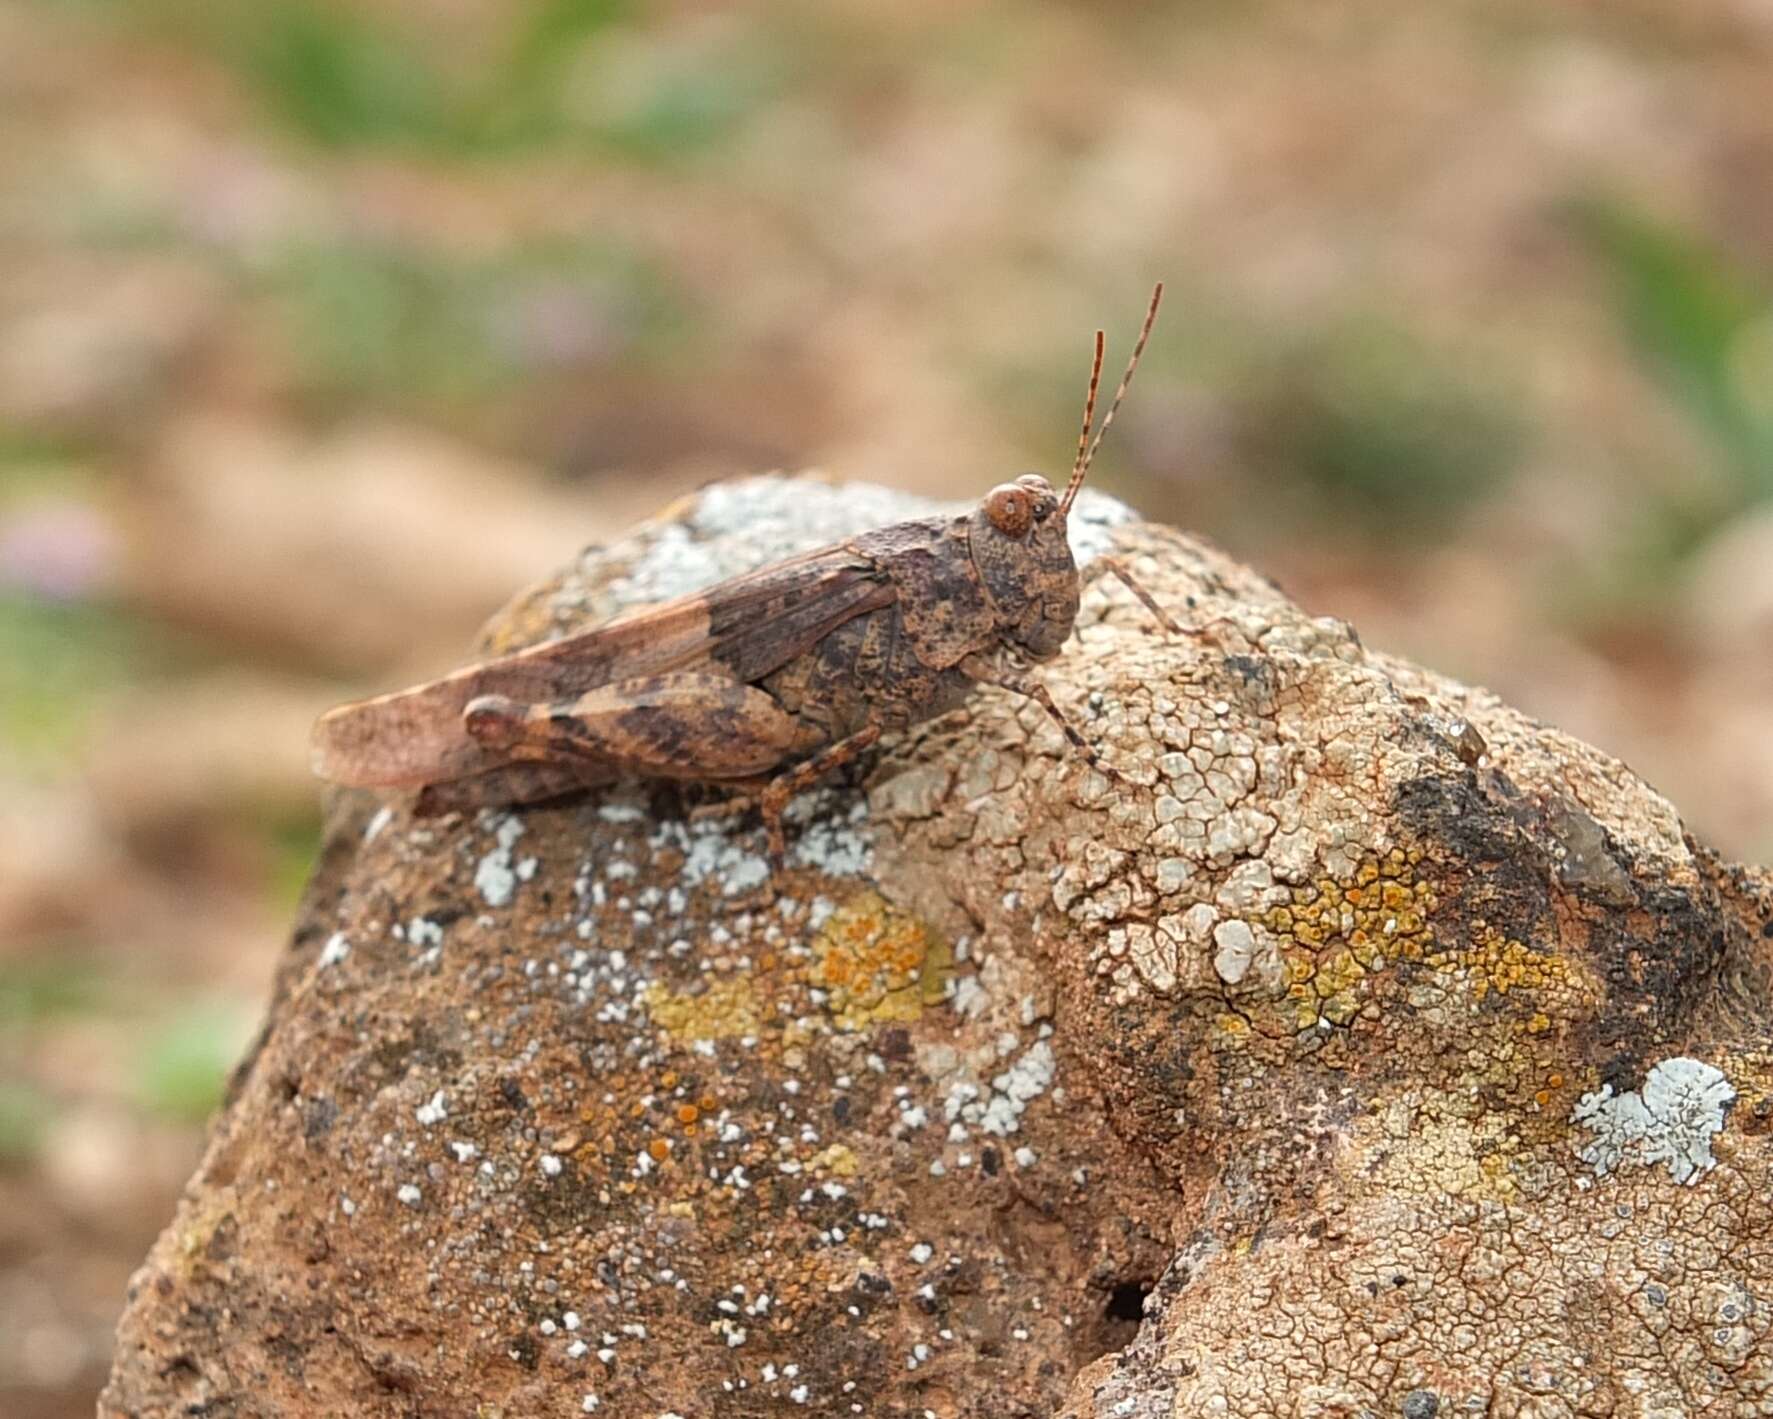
point(318, 1117)
point(1589, 866)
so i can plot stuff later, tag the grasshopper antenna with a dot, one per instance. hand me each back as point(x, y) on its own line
point(1080, 465)
point(1086, 446)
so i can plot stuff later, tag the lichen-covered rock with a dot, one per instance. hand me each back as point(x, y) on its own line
point(1371, 1050)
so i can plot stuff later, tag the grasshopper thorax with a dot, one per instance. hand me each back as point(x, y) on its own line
point(1019, 546)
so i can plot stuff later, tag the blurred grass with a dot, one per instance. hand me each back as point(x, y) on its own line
point(37, 990)
point(1701, 325)
point(60, 659)
point(294, 843)
point(1376, 429)
point(184, 1050)
point(50, 985)
point(604, 73)
point(369, 321)
point(25, 1114)
point(185, 1062)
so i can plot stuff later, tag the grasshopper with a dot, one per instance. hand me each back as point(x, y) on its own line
point(765, 682)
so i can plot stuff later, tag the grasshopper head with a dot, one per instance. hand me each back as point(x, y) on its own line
point(1018, 534)
point(1023, 556)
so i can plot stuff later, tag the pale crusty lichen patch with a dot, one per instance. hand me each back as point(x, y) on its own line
point(1319, 901)
point(1670, 1122)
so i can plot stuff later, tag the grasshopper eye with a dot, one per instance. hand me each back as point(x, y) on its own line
point(1010, 509)
point(1041, 492)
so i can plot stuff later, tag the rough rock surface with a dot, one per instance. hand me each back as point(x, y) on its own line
point(1401, 1055)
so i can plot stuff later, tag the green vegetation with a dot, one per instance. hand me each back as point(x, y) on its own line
point(368, 320)
point(24, 1115)
point(38, 990)
point(1379, 428)
point(184, 1067)
point(1703, 326)
point(580, 71)
point(47, 986)
point(60, 658)
point(295, 846)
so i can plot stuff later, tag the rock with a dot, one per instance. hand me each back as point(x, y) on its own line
point(986, 1105)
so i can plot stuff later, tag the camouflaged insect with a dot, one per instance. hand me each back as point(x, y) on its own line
point(763, 682)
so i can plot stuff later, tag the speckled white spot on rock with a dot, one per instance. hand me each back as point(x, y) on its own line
point(1012, 1091)
point(1670, 1121)
point(494, 876)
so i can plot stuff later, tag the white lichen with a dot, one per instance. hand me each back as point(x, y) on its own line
point(1235, 949)
point(494, 876)
point(1669, 1122)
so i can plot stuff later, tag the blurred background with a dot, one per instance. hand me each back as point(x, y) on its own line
point(325, 325)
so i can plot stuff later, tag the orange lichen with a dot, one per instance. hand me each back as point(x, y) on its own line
point(1494, 962)
point(878, 963)
point(1335, 935)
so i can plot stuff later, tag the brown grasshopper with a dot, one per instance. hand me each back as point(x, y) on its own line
point(764, 682)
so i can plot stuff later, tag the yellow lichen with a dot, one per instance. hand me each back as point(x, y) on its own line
point(839, 1160)
point(722, 1009)
point(876, 962)
point(1448, 1155)
point(1494, 962)
point(1336, 935)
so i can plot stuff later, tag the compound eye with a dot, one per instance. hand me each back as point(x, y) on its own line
point(1010, 509)
point(1041, 493)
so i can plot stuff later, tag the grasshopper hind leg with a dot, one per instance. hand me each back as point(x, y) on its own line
point(691, 727)
point(780, 791)
point(688, 726)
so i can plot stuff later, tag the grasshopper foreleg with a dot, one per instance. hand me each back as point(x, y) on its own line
point(1027, 686)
